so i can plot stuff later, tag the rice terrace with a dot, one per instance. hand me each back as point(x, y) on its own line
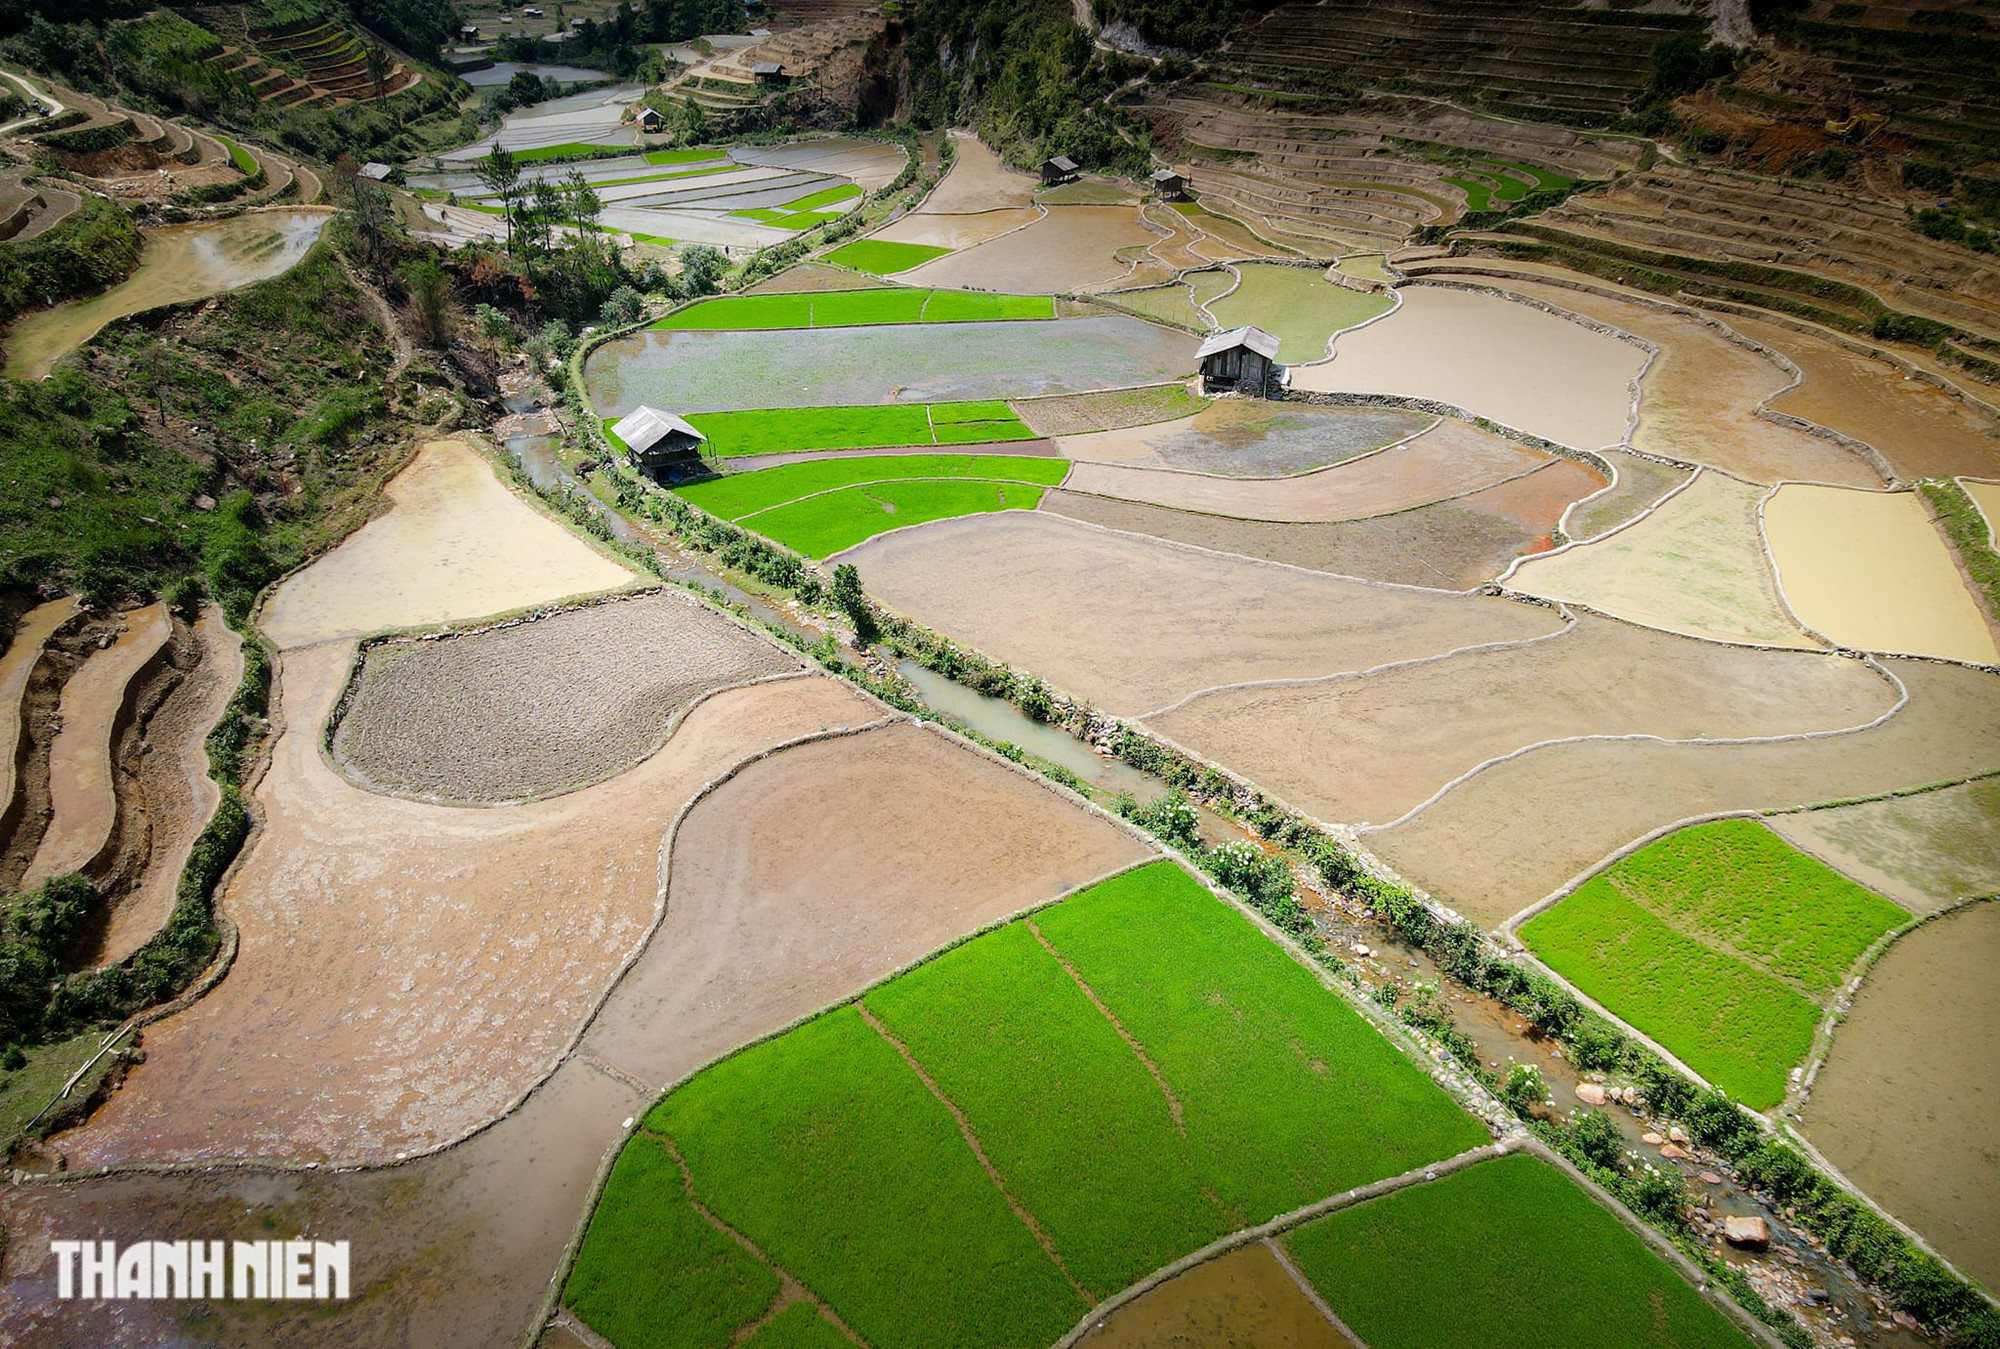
point(984, 675)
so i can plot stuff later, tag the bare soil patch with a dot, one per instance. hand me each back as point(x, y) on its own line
point(1511, 835)
point(1243, 1298)
point(1071, 248)
point(1641, 482)
point(1697, 398)
point(1871, 570)
point(1372, 747)
point(817, 870)
point(1107, 410)
point(1695, 566)
point(1494, 357)
point(1908, 1102)
point(1135, 623)
point(177, 792)
point(1922, 430)
point(978, 181)
point(536, 708)
point(1450, 459)
point(1248, 438)
point(813, 276)
point(96, 706)
point(956, 231)
point(1922, 851)
point(454, 545)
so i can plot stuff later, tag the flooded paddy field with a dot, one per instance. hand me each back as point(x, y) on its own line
point(1449, 545)
point(178, 263)
point(1871, 571)
point(1448, 460)
point(1493, 357)
point(97, 703)
point(593, 118)
point(1371, 747)
point(1696, 566)
point(1697, 398)
point(1924, 851)
point(1986, 496)
point(1639, 484)
point(1245, 1298)
point(17, 668)
point(1905, 1104)
point(811, 367)
point(977, 181)
point(1242, 438)
point(1135, 623)
point(1921, 430)
point(1515, 832)
point(1070, 248)
point(549, 706)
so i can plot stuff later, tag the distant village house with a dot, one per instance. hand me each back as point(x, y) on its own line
point(659, 442)
point(1058, 169)
point(1238, 360)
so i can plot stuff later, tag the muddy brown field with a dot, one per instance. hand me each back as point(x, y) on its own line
point(1694, 566)
point(978, 181)
point(1449, 460)
point(1493, 357)
point(17, 664)
point(1243, 437)
point(1922, 430)
point(1135, 623)
point(1697, 398)
point(528, 710)
point(1923, 851)
point(1373, 747)
point(1908, 1102)
point(96, 704)
point(1243, 1300)
point(1071, 248)
point(1511, 835)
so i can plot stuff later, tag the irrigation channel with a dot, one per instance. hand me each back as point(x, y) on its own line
point(1792, 1272)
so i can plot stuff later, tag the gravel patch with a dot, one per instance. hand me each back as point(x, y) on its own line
point(542, 707)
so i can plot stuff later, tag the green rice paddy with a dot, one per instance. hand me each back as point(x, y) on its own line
point(1723, 943)
point(799, 1326)
point(569, 150)
point(806, 212)
point(881, 258)
point(1298, 306)
point(742, 494)
point(877, 426)
point(823, 525)
point(1507, 1254)
point(825, 1148)
point(854, 309)
point(692, 156)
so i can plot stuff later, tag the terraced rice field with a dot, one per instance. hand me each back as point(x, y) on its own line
point(1298, 306)
point(1871, 571)
point(883, 259)
point(855, 308)
point(1695, 565)
point(1493, 357)
point(1452, 1262)
point(986, 1065)
point(1924, 851)
point(1248, 1293)
point(1178, 303)
point(901, 363)
point(1236, 437)
point(767, 431)
point(1721, 942)
point(1070, 248)
point(1925, 1027)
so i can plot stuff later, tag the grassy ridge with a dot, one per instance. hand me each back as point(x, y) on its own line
point(871, 427)
point(879, 258)
point(1262, 1057)
point(825, 1149)
point(799, 1326)
point(652, 1272)
point(1067, 1112)
point(853, 309)
point(741, 494)
point(823, 525)
point(1508, 1254)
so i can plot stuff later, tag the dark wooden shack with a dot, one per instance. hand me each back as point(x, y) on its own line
point(1238, 360)
point(659, 443)
point(769, 72)
point(1169, 185)
point(650, 120)
point(1058, 169)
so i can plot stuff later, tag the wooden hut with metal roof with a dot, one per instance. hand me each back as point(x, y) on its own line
point(1238, 360)
point(1058, 169)
point(658, 442)
point(1170, 185)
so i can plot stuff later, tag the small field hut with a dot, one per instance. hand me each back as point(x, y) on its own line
point(1169, 185)
point(650, 121)
point(769, 72)
point(659, 442)
point(1058, 169)
point(1238, 359)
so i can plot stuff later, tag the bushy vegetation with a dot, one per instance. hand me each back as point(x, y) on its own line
point(868, 426)
point(1970, 533)
point(855, 308)
point(1507, 1254)
point(742, 494)
point(96, 247)
point(651, 1271)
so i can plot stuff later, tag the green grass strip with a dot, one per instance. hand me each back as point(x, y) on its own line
point(880, 258)
point(823, 525)
point(1288, 1094)
point(1737, 1026)
point(654, 1274)
point(827, 197)
point(1478, 196)
point(799, 1326)
point(976, 410)
point(824, 1148)
point(245, 162)
point(694, 156)
point(739, 494)
point(1545, 181)
point(1065, 1110)
point(1508, 1254)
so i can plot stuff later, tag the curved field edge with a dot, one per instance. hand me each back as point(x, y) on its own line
point(1255, 1172)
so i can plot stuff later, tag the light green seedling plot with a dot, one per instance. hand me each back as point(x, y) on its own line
point(882, 258)
point(868, 427)
point(740, 494)
point(823, 525)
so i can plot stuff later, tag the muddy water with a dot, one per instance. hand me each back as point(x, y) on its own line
point(1493, 357)
point(1071, 248)
point(1908, 1104)
point(180, 263)
point(1870, 570)
point(16, 664)
point(1243, 1300)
